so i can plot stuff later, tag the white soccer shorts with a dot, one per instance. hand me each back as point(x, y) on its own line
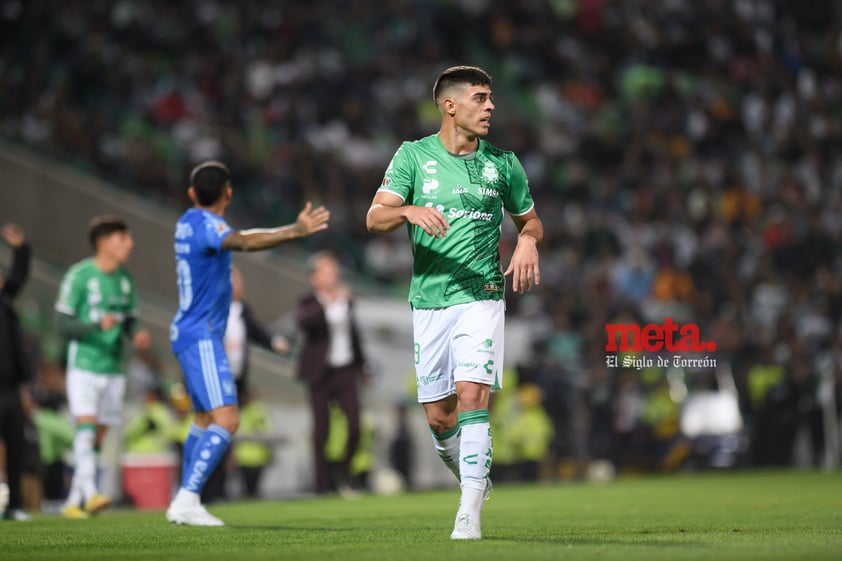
point(90, 394)
point(462, 343)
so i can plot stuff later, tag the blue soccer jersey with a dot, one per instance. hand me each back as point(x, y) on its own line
point(203, 269)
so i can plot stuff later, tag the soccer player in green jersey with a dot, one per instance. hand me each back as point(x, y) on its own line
point(451, 190)
point(96, 308)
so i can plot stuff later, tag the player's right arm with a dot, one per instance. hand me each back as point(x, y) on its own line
point(310, 220)
point(387, 213)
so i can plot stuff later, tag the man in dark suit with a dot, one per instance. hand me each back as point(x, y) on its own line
point(331, 362)
point(15, 371)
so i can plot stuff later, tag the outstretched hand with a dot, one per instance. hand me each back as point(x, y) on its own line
point(311, 220)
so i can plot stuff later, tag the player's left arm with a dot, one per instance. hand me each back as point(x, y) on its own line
point(139, 335)
point(14, 236)
point(141, 340)
point(518, 202)
point(310, 220)
point(524, 266)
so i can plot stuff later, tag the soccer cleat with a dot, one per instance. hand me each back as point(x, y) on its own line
point(486, 494)
point(466, 527)
point(74, 512)
point(195, 515)
point(97, 503)
point(18, 515)
point(4, 497)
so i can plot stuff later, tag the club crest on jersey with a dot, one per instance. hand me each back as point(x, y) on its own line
point(490, 173)
point(94, 293)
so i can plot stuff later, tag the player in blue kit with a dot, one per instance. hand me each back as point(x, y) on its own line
point(203, 245)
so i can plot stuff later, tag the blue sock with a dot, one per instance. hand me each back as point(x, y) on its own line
point(193, 436)
point(207, 453)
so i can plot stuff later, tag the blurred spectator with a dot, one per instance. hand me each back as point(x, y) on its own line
point(400, 449)
point(32, 472)
point(251, 453)
point(531, 433)
point(153, 429)
point(244, 329)
point(331, 364)
point(15, 371)
point(55, 437)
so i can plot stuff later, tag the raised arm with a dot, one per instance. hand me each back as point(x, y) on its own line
point(310, 220)
point(14, 282)
point(387, 213)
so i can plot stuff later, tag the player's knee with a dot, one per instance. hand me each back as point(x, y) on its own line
point(472, 396)
point(440, 422)
point(230, 421)
point(232, 424)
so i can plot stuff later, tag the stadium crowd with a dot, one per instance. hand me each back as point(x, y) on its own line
point(681, 154)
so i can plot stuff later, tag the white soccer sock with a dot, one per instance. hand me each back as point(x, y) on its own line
point(447, 445)
point(474, 457)
point(74, 496)
point(84, 459)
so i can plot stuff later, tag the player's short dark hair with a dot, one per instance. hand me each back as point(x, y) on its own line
point(105, 225)
point(458, 76)
point(209, 180)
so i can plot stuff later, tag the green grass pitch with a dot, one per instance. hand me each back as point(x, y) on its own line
point(753, 516)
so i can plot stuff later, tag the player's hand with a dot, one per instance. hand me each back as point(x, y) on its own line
point(13, 234)
point(311, 220)
point(429, 219)
point(141, 340)
point(524, 265)
point(108, 321)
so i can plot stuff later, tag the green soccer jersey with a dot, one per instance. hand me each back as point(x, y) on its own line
point(88, 294)
point(472, 192)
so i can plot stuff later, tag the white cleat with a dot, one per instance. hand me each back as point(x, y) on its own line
point(466, 527)
point(195, 515)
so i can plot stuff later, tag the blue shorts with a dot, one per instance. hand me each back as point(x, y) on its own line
point(207, 375)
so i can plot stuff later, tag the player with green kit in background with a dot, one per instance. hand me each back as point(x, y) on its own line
point(96, 309)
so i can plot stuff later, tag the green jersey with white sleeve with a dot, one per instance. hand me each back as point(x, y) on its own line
point(87, 294)
point(472, 191)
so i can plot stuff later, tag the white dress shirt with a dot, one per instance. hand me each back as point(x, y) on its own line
point(236, 340)
point(340, 351)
